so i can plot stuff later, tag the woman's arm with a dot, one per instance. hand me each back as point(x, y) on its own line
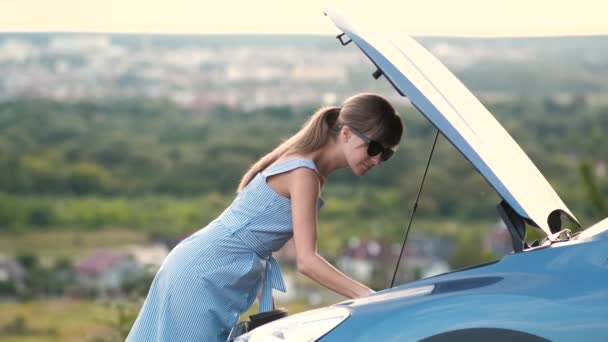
point(304, 194)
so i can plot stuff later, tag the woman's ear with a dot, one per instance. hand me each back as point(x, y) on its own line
point(344, 134)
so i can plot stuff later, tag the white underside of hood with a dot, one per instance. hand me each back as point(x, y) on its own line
point(460, 117)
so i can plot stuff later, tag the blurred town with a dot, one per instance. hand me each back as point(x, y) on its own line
point(114, 273)
point(261, 71)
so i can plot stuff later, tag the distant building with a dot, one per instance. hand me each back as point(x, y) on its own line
point(11, 272)
point(361, 257)
point(600, 169)
point(374, 261)
point(106, 271)
point(430, 246)
point(149, 257)
point(498, 240)
point(435, 268)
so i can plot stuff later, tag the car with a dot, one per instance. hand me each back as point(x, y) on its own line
point(555, 289)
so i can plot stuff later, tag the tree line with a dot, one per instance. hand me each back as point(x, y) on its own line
point(106, 157)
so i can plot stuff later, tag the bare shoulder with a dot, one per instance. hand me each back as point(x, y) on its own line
point(304, 178)
point(305, 173)
point(301, 179)
point(304, 189)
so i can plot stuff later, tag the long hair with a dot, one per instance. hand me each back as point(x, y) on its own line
point(368, 113)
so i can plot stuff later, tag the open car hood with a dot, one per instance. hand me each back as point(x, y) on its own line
point(461, 118)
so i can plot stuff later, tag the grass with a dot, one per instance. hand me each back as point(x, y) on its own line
point(78, 320)
point(58, 320)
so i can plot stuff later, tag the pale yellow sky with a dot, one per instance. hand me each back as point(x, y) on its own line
point(421, 17)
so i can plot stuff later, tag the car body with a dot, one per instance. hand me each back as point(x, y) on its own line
point(554, 290)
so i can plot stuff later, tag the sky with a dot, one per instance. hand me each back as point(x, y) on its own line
point(422, 17)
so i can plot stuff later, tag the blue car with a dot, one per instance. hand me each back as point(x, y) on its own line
point(555, 289)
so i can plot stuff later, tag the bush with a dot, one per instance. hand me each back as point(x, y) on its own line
point(8, 289)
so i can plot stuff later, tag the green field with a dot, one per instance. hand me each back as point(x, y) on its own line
point(76, 320)
point(58, 320)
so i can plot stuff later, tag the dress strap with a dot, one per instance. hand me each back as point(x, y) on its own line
point(288, 165)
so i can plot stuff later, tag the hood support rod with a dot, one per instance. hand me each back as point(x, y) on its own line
point(414, 208)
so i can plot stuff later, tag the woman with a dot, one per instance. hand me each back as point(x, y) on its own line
point(213, 276)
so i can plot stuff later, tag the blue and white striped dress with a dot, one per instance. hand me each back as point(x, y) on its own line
point(212, 277)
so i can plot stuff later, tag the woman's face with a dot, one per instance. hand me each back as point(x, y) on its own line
point(355, 152)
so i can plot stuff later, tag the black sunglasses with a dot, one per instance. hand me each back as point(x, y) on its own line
point(373, 147)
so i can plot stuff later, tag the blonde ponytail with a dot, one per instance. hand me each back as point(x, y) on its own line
point(312, 136)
